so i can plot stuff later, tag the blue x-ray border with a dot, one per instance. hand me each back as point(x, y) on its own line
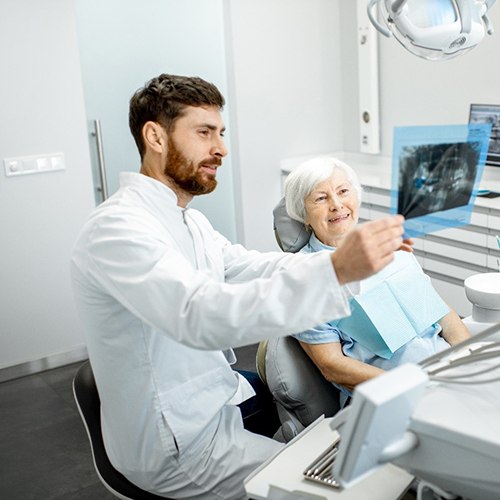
point(406, 138)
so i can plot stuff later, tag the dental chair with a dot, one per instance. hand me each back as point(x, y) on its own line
point(300, 391)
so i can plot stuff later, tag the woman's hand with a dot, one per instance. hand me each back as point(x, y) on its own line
point(407, 245)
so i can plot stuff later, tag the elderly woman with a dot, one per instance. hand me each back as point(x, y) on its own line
point(396, 315)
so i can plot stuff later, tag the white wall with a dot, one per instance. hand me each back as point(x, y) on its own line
point(285, 96)
point(42, 112)
point(414, 91)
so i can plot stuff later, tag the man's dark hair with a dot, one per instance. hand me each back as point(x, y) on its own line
point(163, 100)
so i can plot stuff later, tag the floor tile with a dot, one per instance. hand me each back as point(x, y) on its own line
point(246, 358)
point(60, 380)
point(94, 492)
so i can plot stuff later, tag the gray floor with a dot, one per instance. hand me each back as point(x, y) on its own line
point(44, 451)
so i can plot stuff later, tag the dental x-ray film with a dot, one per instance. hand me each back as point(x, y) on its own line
point(436, 174)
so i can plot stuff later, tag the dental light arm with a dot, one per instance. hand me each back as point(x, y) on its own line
point(433, 29)
point(485, 18)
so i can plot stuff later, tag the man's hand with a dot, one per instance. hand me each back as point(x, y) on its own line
point(368, 248)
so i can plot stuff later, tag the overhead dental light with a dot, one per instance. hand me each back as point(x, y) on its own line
point(433, 29)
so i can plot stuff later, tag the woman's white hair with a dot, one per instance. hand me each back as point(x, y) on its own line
point(303, 179)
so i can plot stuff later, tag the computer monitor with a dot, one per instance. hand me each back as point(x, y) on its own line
point(489, 113)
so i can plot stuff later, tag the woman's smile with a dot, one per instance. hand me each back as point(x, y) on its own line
point(339, 218)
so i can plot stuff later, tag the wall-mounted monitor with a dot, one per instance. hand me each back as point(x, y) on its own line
point(489, 113)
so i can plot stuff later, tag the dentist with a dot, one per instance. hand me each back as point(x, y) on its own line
point(163, 297)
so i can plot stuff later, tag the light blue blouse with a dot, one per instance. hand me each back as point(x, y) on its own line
point(421, 346)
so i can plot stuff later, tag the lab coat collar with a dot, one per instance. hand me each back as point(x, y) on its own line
point(156, 189)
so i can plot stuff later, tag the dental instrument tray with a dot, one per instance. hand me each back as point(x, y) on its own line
point(321, 470)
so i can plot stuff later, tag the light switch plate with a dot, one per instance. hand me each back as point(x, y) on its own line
point(34, 164)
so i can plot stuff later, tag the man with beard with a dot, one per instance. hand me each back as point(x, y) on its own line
point(163, 297)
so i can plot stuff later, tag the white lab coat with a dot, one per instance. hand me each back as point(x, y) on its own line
point(161, 296)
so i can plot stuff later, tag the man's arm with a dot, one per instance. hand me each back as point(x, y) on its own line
point(144, 269)
point(454, 330)
point(337, 367)
point(365, 250)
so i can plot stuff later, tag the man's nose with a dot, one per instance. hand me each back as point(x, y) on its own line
point(219, 148)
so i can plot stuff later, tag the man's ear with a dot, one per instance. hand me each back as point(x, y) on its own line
point(154, 136)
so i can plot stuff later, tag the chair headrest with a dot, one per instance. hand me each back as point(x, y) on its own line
point(290, 234)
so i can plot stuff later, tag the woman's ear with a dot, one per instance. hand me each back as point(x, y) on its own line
point(306, 220)
point(154, 136)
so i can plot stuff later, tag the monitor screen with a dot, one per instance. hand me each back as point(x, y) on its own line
point(489, 113)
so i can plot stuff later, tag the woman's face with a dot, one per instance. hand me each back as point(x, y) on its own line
point(332, 208)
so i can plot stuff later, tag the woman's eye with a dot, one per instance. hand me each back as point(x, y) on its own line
point(344, 191)
point(321, 198)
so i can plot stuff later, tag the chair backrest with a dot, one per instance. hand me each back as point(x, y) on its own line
point(301, 392)
point(290, 234)
point(89, 405)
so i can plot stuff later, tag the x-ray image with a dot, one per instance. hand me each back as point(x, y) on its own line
point(436, 174)
point(435, 177)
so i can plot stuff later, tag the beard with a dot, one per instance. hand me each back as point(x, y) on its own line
point(186, 174)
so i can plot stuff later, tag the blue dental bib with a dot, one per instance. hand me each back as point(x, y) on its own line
point(392, 307)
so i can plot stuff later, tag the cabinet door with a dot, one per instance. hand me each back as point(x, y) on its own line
point(494, 223)
point(464, 236)
point(466, 255)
